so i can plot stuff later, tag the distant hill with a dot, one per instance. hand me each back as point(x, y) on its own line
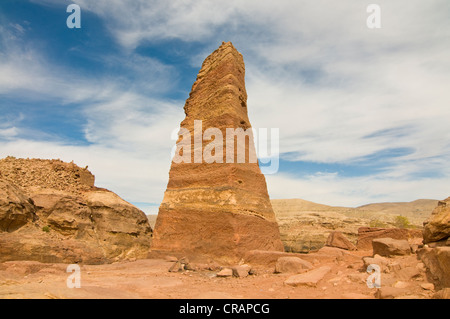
point(305, 225)
point(416, 211)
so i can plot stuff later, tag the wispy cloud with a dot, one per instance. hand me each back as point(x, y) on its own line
point(339, 92)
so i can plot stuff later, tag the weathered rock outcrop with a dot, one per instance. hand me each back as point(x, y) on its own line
point(338, 240)
point(391, 247)
point(437, 227)
point(436, 233)
point(212, 208)
point(367, 234)
point(57, 215)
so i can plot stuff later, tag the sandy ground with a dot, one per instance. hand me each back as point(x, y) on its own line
point(149, 278)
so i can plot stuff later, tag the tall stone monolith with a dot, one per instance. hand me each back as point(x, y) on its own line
point(216, 204)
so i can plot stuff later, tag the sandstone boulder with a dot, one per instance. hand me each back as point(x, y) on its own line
point(367, 234)
point(226, 272)
point(338, 240)
point(391, 247)
point(437, 227)
point(437, 262)
point(16, 209)
point(381, 261)
point(292, 265)
point(241, 271)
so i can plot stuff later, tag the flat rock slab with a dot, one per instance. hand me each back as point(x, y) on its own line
point(292, 265)
point(391, 247)
point(338, 240)
point(226, 272)
point(241, 271)
point(310, 278)
point(390, 292)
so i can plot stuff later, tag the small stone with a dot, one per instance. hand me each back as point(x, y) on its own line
point(389, 292)
point(310, 278)
point(171, 258)
point(226, 272)
point(401, 284)
point(241, 271)
point(176, 267)
point(421, 267)
point(427, 286)
point(291, 265)
point(408, 273)
point(338, 240)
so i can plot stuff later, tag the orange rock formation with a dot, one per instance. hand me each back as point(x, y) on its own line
point(217, 209)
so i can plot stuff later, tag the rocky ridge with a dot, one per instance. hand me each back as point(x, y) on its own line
point(305, 226)
point(50, 211)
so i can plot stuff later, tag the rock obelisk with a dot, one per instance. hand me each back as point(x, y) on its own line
point(216, 208)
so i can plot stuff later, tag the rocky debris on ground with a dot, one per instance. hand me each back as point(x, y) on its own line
point(339, 275)
point(338, 240)
point(241, 271)
point(388, 292)
point(381, 261)
point(226, 272)
point(436, 252)
point(402, 275)
point(309, 278)
point(292, 265)
point(29, 174)
point(55, 214)
point(437, 262)
point(390, 247)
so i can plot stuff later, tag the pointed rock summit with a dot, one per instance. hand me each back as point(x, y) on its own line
point(216, 203)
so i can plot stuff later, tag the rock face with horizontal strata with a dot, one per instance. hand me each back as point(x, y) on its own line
point(217, 209)
point(50, 211)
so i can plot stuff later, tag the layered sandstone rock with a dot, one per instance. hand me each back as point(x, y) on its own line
point(436, 233)
point(338, 240)
point(216, 205)
point(367, 234)
point(437, 227)
point(390, 247)
point(437, 262)
point(55, 214)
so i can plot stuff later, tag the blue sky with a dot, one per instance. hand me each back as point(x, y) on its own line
point(363, 113)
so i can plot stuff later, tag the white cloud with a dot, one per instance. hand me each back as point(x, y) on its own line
point(338, 91)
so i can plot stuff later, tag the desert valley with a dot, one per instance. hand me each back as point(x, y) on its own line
point(217, 229)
